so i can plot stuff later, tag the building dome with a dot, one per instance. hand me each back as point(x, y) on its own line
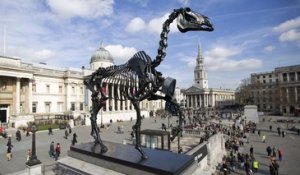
point(101, 55)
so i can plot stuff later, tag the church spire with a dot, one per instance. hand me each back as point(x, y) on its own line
point(199, 50)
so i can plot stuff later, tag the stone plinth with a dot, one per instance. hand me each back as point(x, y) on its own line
point(125, 159)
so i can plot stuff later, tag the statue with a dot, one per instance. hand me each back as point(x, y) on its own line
point(138, 79)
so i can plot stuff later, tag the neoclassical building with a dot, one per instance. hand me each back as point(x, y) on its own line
point(199, 95)
point(30, 91)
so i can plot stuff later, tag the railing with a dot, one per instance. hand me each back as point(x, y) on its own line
point(192, 131)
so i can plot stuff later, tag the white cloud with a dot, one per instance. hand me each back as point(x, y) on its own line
point(289, 30)
point(184, 2)
point(269, 48)
point(121, 53)
point(291, 35)
point(88, 9)
point(220, 59)
point(154, 26)
point(43, 54)
point(288, 25)
point(135, 25)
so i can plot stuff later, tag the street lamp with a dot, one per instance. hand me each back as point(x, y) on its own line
point(33, 158)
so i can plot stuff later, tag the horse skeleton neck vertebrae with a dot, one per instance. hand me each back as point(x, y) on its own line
point(138, 79)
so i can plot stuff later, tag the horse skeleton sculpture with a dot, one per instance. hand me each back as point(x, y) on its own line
point(139, 80)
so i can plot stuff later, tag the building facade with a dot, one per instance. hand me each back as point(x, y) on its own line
point(277, 91)
point(30, 91)
point(199, 95)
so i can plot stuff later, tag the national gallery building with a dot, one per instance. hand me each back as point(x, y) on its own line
point(199, 95)
point(30, 91)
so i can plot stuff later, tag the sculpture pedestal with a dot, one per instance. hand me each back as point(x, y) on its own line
point(35, 169)
point(124, 159)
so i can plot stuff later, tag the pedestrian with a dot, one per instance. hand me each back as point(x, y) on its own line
point(279, 154)
point(50, 131)
point(74, 140)
point(18, 135)
point(8, 152)
point(278, 130)
point(283, 133)
point(247, 167)
point(251, 151)
point(274, 151)
point(52, 150)
point(233, 163)
point(269, 150)
point(264, 138)
point(57, 151)
point(9, 141)
point(27, 132)
point(258, 132)
point(66, 134)
point(255, 165)
point(270, 127)
point(274, 167)
point(28, 154)
point(70, 129)
point(298, 131)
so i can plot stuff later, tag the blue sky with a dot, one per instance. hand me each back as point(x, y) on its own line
point(250, 35)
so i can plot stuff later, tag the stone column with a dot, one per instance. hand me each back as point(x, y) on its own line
point(196, 101)
point(113, 97)
point(118, 101)
point(68, 96)
point(287, 95)
point(29, 95)
point(200, 101)
point(17, 96)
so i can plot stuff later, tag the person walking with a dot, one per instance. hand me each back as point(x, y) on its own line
point(57, 151)
point(8, 152)
point(247, 167)
point(283, 134)
point(278, 130)
point(50, 131)
point(251, 151)
point(274, 151)
point(18, 135)
point(52, 150)
point(269, 150)
point(270, 127)
point(255, 165)
point(264, 138)
point(70, 129)
point(74, 140)
point(274, 167)
point(258, 132)
point(66, 134)
point(279, 154)
point(28, 154)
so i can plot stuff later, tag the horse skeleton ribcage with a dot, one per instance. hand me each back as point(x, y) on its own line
point(135, 79)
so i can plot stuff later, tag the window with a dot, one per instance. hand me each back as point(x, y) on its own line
point(59, 106)
point(48, 88)
point(81, 106)
point(2, 86)
point(33, 87)
point(47, 107)
point(81, 90)
point(72, 106)
point(270, 76)
point(34, 106)
point(73, 89)
point(60, 89)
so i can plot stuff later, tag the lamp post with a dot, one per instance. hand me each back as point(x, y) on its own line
point(33, 158)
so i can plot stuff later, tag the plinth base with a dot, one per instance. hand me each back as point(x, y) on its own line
point(125, 159)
